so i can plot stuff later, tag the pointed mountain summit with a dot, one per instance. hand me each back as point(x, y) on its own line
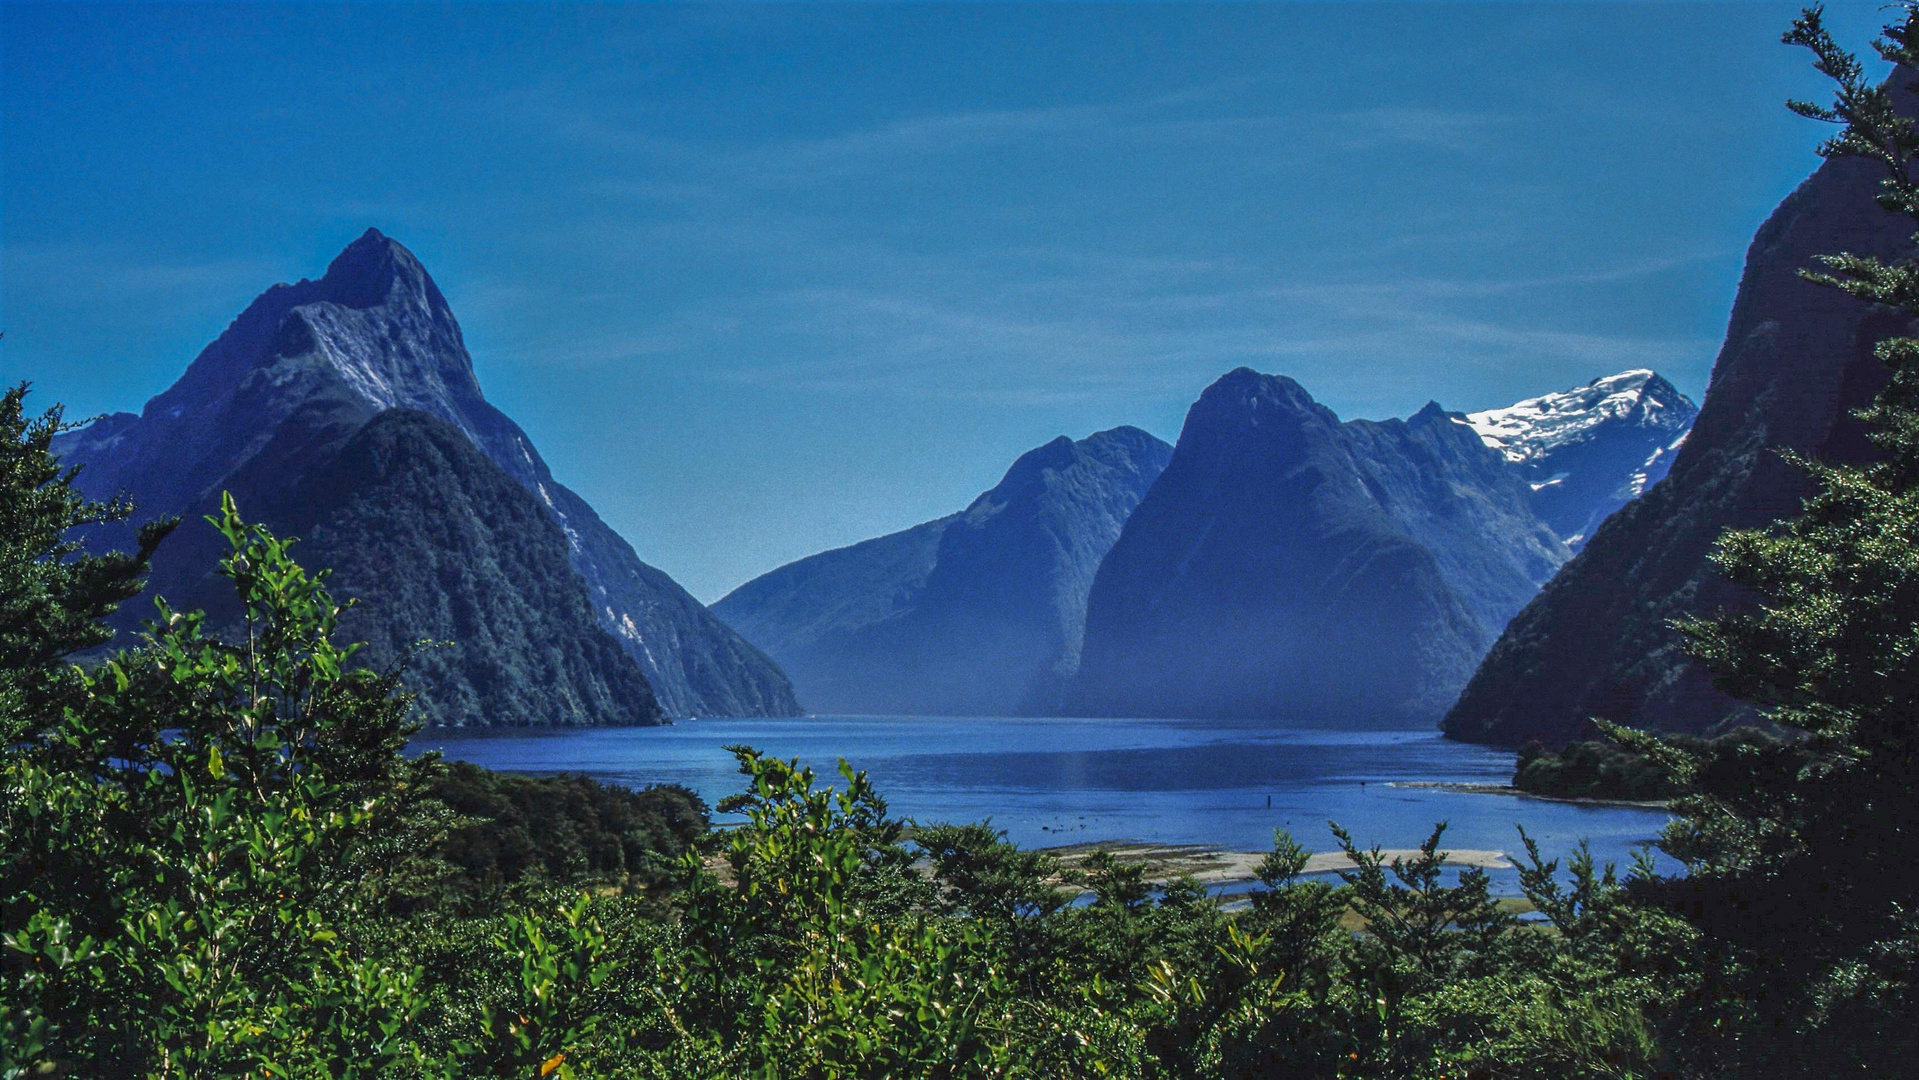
point(1590, 450)
point(977, 613)
point(1289, 566)
point(280, 394)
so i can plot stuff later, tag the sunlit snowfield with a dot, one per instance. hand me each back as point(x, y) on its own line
point(1062, 781)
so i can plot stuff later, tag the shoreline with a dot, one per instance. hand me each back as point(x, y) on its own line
point(1215, 867)
point(1509, 790)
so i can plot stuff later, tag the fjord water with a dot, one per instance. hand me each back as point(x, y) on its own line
point(1062, 781)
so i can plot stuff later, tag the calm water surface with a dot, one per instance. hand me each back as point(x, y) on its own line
point(1062, 781)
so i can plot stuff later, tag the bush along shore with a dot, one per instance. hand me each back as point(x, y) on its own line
point(216, 861)
point(1599, 770)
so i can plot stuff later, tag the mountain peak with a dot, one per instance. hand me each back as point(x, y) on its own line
point(1126, 442)
point(1246, 389)
point(370, 270)
point(1027, 474)
point(309, 364)
point(1244, 398)
point(1591, 449)
point(1536, 427)
point(1122, 433)
point(980, 613)
point(1245, 382)
point(374, 326)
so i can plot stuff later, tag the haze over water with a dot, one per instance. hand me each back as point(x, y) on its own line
point(1060, 781)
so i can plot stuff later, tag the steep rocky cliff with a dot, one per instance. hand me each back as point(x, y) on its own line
point(1796, 362)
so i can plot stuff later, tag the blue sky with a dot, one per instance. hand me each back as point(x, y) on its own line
point(763, 280)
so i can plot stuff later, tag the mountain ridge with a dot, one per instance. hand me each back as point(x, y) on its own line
point(1592, 449)
point(978, 612)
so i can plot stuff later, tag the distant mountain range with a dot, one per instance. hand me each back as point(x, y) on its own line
point(977, 613)
point(1284, 564)
point(1797, 361)
point(1278, 563)
point(345, 410)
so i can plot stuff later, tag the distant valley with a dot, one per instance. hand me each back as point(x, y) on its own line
point(979, 613)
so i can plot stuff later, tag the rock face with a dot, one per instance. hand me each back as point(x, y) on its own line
point(296, 377)
point(979, 613)
point(442, 545)
point(1590, 450)
point(1288, 566)
point(1797, 360)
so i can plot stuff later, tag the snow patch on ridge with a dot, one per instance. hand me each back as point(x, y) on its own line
point(1533, 428)
point(1590, 450)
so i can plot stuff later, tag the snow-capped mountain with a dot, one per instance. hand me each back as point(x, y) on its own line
point(1590, 450)
point(1794, 368)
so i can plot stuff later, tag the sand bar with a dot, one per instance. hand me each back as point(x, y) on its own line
point(1212, 866)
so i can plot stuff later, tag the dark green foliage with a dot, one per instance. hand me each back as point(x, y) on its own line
point(560, 828)
point(983, 876)
point(202, 857)
point(1013, 893)
point(53, 598)
point(1801, 853)
point(1297, 918)
point(1433, 928)
point(1590, 769)
point(189, 824)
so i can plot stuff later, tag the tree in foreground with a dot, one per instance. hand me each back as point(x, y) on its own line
point(1803, 870)
point(184, 834)
point(53, 597)
point(215, 860)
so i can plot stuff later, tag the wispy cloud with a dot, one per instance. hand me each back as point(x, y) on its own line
point(834, 296)
point(1196, 116)
point(104, 272)
point(1403, 126)
point(987, 340)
